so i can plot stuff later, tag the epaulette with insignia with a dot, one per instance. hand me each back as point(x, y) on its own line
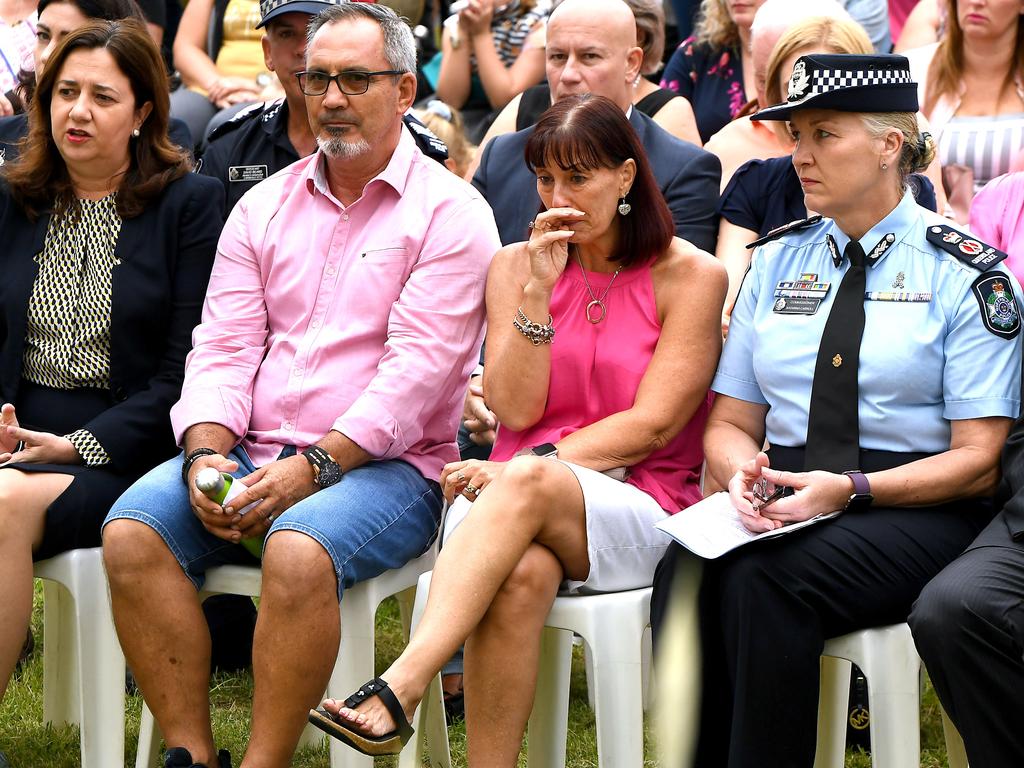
point(426, 139)
point(237, 120)
point(969, 249)
point(793, 226)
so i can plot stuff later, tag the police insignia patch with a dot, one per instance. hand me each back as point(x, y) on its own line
point(968, 249)
point(999, 309)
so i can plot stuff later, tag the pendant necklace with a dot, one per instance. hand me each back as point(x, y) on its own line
point(596, 303)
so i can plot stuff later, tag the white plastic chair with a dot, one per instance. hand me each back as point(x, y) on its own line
point(355, 663)
point(613, 626)
point(83, 665)
point(889, 660)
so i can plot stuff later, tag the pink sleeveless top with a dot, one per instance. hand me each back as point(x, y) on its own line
point(596, 371)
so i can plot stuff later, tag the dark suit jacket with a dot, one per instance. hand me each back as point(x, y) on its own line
point(165, 256)
point(1010, 495)
point(688, 176)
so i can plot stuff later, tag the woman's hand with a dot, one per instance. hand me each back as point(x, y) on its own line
point(225, 91)
point(38, 448)
point(6, 108)
point(549, 245)
point(476, 19)
point(815, 493)
point(469, 478)
point(741, 493)
point(7, 419)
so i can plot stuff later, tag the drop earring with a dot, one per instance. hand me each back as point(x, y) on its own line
point(624, 207)
point(885, 166)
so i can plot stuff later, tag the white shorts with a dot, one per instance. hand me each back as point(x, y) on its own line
point(623, 545)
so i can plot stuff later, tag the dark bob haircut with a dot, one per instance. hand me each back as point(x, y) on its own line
point(39, 179)
point(587, 132)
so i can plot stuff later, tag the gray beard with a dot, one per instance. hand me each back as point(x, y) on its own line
point(343, 149)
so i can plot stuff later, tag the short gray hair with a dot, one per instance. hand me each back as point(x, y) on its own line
point(399, 44)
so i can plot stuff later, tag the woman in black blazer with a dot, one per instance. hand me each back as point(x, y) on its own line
point(108, 244)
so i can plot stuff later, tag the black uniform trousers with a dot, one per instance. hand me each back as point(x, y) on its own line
point(766, 610)
point(968, 625)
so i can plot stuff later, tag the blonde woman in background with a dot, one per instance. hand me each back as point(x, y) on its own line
point(971, 88)
point(446, 124)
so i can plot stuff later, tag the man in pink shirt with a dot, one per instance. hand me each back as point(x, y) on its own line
point(343, 317)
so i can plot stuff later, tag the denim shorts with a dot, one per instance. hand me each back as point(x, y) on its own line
point(379, 517)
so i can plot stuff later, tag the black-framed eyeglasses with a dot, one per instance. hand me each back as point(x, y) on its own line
point(315, 83)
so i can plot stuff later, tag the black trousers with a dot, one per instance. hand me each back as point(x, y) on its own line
point(968, 625)
point(766, 610)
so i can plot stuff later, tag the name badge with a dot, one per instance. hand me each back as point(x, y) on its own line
point(239, 173)
point(796, 305)
point(903, 296)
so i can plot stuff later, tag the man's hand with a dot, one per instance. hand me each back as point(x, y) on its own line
point(277, 487)
point(477, 418)
point(213, 517)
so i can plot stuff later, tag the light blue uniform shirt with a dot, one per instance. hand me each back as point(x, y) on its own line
point(924, 360)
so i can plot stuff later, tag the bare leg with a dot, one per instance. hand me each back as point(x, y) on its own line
point(163, 633)
point(24, 498)
point(533, 500)
point(295, 645)
point(501, 660)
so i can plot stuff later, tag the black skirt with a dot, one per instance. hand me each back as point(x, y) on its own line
point(74, 518)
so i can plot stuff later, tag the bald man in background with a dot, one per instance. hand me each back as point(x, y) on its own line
point(591, 48)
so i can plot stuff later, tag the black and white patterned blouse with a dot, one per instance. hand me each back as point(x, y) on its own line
point(67, 342)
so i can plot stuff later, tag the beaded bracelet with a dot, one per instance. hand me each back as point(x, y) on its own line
point(538, 334)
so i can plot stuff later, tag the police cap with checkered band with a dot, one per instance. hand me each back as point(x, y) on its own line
point(848, 83)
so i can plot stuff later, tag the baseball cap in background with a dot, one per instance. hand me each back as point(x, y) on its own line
point(271, 9)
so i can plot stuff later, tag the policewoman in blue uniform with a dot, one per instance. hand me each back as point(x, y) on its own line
point(877, 351)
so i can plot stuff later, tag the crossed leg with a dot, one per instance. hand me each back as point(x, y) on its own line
point(525, 533)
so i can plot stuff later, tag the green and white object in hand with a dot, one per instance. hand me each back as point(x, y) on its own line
point(220, 488)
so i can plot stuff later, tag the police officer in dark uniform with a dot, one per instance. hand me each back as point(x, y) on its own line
point(264, 138)
point(877, 351)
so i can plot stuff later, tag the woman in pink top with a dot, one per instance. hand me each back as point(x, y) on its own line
point(603, 335)
point(996, 217)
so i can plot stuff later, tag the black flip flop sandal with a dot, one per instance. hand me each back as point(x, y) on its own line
point(389, 744)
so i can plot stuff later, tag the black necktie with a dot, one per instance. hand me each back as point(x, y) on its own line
point(833, 432)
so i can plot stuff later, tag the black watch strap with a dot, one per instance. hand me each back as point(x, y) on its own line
point(326, 471)
point(190, 459)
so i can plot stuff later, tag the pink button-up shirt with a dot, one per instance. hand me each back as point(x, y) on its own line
point(365, 319)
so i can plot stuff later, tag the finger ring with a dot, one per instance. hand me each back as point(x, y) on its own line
point(470, 488)
point(460, 477)
point(270, 517)
point(531, 225)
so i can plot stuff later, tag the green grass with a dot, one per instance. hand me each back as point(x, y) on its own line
point(30, 744)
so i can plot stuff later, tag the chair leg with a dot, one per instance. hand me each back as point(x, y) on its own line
point(355, 665)
point(893, 670)
point(549, 720)
point(618, 697)
point(101, 670)
point(61, 693)
point(833, 701)
point(956, 756)
point(149, 740)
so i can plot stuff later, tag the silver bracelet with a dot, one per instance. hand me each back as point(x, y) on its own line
point(538, 334)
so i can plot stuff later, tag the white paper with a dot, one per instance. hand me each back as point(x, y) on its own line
point(712, 527)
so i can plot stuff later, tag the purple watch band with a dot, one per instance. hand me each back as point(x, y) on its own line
point(861, 486)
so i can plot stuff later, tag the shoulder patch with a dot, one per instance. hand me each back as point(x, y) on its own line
point(793, 226)
point(237, 120)
point(969, 249)
point(428, 142)
point(999, 310)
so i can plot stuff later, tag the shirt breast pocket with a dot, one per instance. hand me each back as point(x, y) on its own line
point(383, 272)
